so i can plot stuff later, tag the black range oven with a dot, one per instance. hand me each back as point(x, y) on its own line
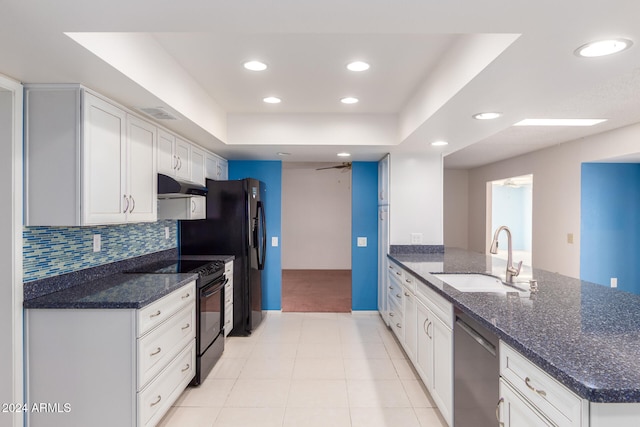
point(209, 307)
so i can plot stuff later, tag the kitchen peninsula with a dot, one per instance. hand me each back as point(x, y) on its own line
point(584, 336)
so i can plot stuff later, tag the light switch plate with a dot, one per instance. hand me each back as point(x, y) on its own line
point(166, 233)
point(362, 242)
point(97, 243)
point(274, 241)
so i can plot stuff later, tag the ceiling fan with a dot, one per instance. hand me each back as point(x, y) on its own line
point(346, 166)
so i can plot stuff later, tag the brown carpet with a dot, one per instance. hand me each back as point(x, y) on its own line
point(316, 291)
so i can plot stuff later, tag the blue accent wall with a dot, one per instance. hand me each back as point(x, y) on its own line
point(364, 223)
point(269, 172)
point(610, 224)
point(51, 251)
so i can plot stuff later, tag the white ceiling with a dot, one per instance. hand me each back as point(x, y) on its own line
point(433, 65)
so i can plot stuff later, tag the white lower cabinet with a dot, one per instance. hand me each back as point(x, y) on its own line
point(423, 323)
point(515, 411)
point(551, 401)
point(228, 298)
point(110, 367)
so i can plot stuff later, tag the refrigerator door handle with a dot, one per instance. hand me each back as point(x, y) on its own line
point(262, 251)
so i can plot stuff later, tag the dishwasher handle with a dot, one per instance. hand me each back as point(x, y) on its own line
point(476, 336)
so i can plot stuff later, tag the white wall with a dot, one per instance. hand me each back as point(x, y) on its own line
point(415, 198)
point(11, 327)
point(556, 194)
point(316, 217)
point(456, 208)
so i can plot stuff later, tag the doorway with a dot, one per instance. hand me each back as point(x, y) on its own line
point(511, 204)
point(316, 237)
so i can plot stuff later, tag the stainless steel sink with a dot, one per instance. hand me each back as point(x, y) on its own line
point(475, 282)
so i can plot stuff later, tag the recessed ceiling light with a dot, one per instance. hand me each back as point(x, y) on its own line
point(603, 48)
point(282, 153)
point(487, 116)
point(559, 122)
point(357, 66)
point(349, 100)
point(255, 65)
point(439, 143)
point(344, 155)
point(272, 100)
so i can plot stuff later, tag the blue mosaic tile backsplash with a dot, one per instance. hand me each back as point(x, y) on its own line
point(51, 251)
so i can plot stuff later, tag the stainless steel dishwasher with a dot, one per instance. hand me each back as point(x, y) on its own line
point(476, 371)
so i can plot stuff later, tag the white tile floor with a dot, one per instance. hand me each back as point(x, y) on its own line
point(310, 369)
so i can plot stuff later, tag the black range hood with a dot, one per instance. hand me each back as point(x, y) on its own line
point(169, 187)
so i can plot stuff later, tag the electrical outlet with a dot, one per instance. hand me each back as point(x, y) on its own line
point(362, 242)
point(614, 282)
point(416, 238)
point(97, 243)
point(167, 233)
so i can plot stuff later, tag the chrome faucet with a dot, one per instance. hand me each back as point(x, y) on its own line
point(511, 270)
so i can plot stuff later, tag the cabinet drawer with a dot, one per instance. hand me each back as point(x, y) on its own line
point(396, 319)
point(395, 272)
point(438, 305)
point(409, 282)
point(161, 345)
point(159, 311)
point(162, 392)
point(228, 270)
point(395, 292)
point(557, 402)
point(228, 320)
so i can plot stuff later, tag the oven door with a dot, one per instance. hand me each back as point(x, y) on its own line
point(211, 303)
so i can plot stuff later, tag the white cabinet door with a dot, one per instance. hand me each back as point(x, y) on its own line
point(514, 411)
point(410, 323)
point(198, 207)
point(223, 168)
point(167, 162)
point(142, 170)
point(211, 166)
point(383, 181)
point(182, 152)
point(442, 391)
point(103, 162)
point(197, 165)
point(383, 249)
point(424, 349)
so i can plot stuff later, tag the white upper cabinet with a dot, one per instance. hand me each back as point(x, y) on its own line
point(383, 181)
point(87, 161)
point(174, 156)
point(216, 167)
point(197, 165)
point(142, 171)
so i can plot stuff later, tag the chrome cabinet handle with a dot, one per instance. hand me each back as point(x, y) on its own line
point(398, 296)
point(186, 296)
point(156, 352)
point(390, 287)
point(428, 334)
point(187, 326)
point(179, 163)
point(391, 267)
point(391, 314)
point(406, 294)
point(133, 203)
point(425, 326)
point(126, 207)
point(186, 368)
point(540, 392)
point(157, 401)
point(500, 423)
point(399, 273)
point(408, 280)
point(156, 314)
point(193, 206)
point(176, 159)
point(399, 325)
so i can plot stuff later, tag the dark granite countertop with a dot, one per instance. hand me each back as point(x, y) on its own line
point(585, 335)
point(114, 291)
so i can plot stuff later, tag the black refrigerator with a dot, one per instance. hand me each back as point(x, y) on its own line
point(234, 225)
